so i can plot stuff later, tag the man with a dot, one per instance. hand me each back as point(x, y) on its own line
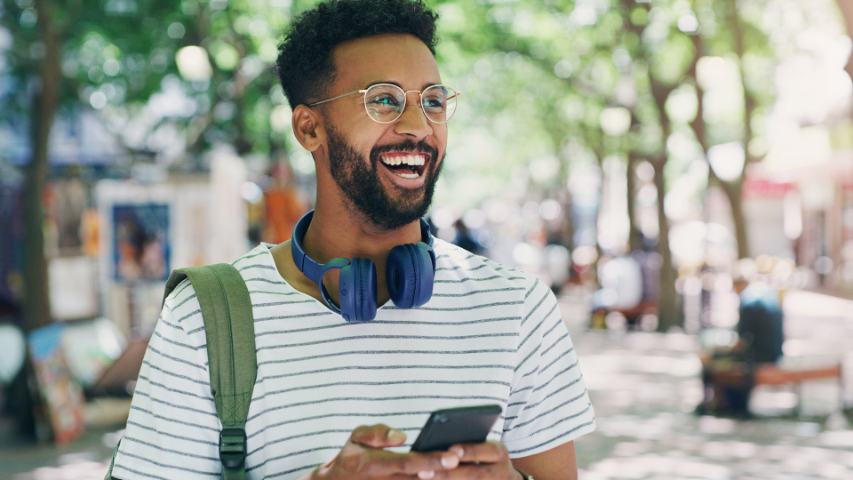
point(728, 373)
point(369, 105)
point(466, 239)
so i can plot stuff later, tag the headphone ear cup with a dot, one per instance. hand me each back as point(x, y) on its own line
point(358, 290)
point(410, 273)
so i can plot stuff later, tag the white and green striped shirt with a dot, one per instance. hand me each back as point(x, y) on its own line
point(488, 335)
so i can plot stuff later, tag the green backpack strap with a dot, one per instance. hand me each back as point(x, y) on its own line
point(228, 326)
point(109, 475)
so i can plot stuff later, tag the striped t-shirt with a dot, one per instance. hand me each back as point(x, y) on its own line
point(489, 334)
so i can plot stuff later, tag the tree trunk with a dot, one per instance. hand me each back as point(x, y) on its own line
point(734, 189)
point(668, 311)
point(598, 149)
point(668, 315)
point(45, 102)
point(635, 238)
point(846, 7)
point(568, 224)
point(734, 193)
point(242, 145)
point(36, 299)
point(23, 392)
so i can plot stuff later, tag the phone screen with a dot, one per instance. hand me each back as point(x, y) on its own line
point(447, 427)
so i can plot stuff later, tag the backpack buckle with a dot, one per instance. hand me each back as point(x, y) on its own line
point(232, 447)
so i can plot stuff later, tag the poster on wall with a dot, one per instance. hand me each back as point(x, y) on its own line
point(147, 230)
point(62, 396)
point(141, 250)
point(137, 225)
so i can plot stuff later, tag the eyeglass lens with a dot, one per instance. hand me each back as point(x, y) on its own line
point(385, 103)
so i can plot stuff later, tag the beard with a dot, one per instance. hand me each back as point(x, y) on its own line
point(359, 180)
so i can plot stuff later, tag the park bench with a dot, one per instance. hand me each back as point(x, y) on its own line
point(774, 375)
point(632, 315)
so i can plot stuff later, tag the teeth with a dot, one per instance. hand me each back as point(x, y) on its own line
point(408, 175)
point(413, 160)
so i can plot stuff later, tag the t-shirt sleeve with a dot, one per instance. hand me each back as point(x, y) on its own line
point(172, 430)
point(549, 404)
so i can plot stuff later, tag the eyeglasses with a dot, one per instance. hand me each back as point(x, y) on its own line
point(386, 102)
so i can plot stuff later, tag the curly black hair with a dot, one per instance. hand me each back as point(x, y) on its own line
point(304, 62)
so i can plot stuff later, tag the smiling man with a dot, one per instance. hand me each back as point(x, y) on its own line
point(364, 323)
point(386, 169)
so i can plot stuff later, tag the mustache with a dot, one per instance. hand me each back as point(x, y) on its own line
point(408, 146)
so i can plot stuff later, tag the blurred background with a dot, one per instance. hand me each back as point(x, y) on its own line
point(637, 155)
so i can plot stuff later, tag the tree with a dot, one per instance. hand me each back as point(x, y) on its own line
point(69, 58)
point(63, 57)
point(657, 83)
point(650, 53)
point(576, 66)
point(742, 42)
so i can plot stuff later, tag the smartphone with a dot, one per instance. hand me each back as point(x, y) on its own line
point(450, 426)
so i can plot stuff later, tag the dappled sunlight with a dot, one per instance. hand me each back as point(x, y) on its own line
point(837, 440)
point(678, 139)
point(727, 450)
point(716, 426)
point(86, 458)
point(76, 470)
point(818, 305)
point(644, 387)
point(656, 467)
point(633, 426)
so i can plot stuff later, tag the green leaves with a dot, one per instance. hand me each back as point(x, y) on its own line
point(537, 73)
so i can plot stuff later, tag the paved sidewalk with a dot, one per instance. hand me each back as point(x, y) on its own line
point(84, 459)
point(644, 387)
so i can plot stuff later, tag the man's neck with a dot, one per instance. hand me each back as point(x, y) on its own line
point(340, 232)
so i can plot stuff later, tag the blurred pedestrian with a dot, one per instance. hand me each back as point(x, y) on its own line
point(558, 265)
point(466, 239)
point(283, 204)
point(728, 373)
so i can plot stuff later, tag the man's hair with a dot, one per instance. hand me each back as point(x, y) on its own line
point(304, 63)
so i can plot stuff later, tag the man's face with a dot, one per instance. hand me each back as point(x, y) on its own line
point(368, 160)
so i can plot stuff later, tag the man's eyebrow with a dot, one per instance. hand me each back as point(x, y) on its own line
point(425, 86)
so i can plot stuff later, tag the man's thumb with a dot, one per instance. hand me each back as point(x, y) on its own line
point(378, 436)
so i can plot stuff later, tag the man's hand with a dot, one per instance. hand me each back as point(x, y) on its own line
point(488, 460)
point(364, 457)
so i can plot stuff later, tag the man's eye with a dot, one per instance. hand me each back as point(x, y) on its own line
point(433, 102)
point(385, 100)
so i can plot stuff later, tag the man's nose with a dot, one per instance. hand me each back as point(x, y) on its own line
point(413, 122)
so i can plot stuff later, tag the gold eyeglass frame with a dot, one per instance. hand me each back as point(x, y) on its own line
point(420, 93)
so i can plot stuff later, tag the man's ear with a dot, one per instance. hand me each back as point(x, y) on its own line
point(308, 128)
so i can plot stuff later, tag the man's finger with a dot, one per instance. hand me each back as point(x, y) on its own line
point(377, 436)
point(384, 463)
point(489, 452)
point(472, 471)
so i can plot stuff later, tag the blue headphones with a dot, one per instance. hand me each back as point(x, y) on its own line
point(409, 273)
